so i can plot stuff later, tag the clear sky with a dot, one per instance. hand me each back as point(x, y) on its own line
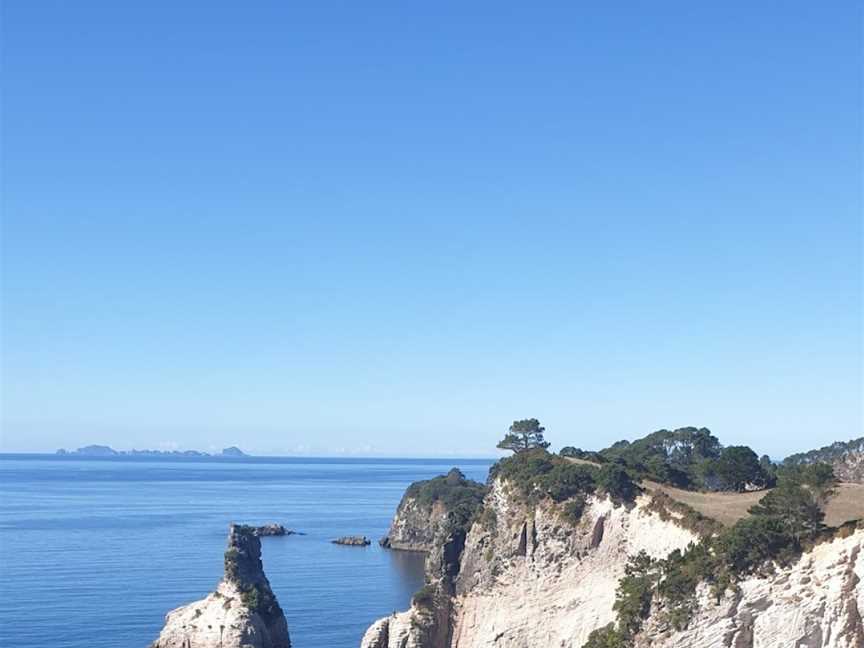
point(392, 228)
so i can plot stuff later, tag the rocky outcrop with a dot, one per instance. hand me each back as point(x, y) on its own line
point(413, 526)
point(272, 529)
point(817, 602)
point(243, 611)
point(527, 576)
point(425, 507)
point(524, 576)
point(353, 541)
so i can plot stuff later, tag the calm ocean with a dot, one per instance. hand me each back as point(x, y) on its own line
point(93, 553)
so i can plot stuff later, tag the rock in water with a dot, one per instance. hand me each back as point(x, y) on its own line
point(243, 611)
point(271, 530)
point(353, 541)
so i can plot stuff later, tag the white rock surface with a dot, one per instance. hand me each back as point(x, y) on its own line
point(221, 619)
point(534, 581)
point(815, 603)
point(564, 586)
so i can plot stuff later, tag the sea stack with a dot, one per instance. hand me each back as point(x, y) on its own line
point(243, 611)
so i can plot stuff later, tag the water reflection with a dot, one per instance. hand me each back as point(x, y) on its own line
point(406, 572)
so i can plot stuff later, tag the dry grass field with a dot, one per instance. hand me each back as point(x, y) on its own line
point(727, 508)
point(847, 504)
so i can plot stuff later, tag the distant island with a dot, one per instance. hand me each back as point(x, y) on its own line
point(107, 451)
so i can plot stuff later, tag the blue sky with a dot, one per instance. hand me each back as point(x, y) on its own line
point(393, 228)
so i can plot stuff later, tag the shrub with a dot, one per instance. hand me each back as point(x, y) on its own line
point(462, 497)
point(635, 591)
point(538, 475)
point(231, 570)
point(607, 637)
point(616, 482)
point(251, 598)
point(424, 597)
point(572, 510)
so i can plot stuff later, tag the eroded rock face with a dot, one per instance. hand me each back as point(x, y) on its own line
point(815, 603)
point(413, 526)
point(425, 507)
point(526, 578)
point(243, 611)
point(536, 580)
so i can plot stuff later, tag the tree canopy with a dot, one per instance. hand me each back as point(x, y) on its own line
point(689, 458)
point(526, 434)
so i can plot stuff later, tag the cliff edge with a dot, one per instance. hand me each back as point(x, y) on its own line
point(543, 561)
point(241, 613)
point(426, 505)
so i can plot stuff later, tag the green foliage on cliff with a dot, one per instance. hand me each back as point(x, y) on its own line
point(616, 482)
point(539, 475)
point(424, 597)
point(251, 598)
point(461, 497)
point(607, 637)
point(231, 569)
point(783, 523)
point(573, 509)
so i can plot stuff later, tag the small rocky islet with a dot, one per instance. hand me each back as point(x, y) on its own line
point(352, 541)
point(241, 613)
point(273, 529)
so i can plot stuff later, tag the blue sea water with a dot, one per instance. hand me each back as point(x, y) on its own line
point(94, 552)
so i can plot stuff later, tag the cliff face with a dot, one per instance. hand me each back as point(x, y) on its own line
point(849, 467)
point(547, 569)
point(426, 506)
point(817, 602)
point(526, 578)
point(241, 613)
point(413, 527)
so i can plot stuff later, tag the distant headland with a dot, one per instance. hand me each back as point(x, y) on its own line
point(107, 451)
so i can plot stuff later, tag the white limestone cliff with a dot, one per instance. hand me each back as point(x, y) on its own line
point(817, 602)
point(241, 613)
point(528, 579)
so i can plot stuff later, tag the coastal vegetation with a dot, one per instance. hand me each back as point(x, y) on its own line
point(689, 457)
point(460, 496)
point(783, 524)
point(538, 475)
point(826, 454)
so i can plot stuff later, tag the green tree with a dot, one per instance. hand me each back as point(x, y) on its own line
point(526, 434)
point(614, 480)
point(737, 467)
point(795, 507)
